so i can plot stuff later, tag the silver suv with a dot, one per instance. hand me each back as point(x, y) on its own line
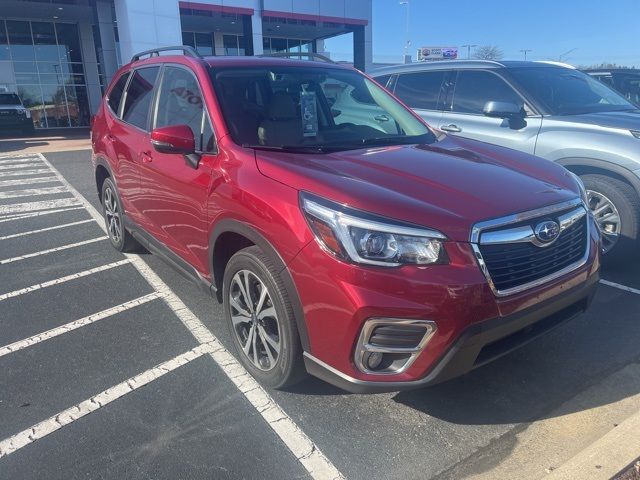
point(547, 109)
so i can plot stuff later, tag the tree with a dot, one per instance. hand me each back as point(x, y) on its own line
point(488, 52)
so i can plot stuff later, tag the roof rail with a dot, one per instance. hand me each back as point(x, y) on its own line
point(311, 55)
point(155, 52)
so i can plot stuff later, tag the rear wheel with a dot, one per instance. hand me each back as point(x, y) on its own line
point(261, 320)
point(119, 237)
point(616, 209)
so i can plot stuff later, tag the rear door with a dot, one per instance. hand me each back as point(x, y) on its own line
point(424, 93)
point(463, 111)
point(174, 194)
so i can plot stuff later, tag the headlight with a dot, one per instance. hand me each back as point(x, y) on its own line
point(369, 239)
point(583, 190)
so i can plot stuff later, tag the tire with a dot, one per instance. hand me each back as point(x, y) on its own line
point(275, 368)
point(119, 237)
point(624, 198)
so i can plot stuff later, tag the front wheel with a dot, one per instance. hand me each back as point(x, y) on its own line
point(261, 319)
point(616, 208)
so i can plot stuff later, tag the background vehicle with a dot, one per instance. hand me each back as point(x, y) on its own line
point(625, 80)
point(549, 110)
point(13, 114)
point(333, 241)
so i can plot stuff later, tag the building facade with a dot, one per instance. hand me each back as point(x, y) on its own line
point(58, 55)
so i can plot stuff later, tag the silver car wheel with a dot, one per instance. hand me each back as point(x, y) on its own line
point(607, 217)
point(255, 321)
point(112, 215)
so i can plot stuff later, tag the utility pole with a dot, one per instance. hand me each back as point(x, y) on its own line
point(469, 47)
point(563, 56)
point(407, 41)
point(525, 51)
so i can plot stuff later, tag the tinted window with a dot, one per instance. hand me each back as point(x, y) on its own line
point(181, 103)
point(9, 99)
point(115, 95)
point(383, 80)
point(139, 96)
point(420, 90)
point(473, 89)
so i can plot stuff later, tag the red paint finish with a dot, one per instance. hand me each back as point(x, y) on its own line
point(448, 186)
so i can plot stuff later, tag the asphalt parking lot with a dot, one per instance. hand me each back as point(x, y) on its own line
point(115, 366)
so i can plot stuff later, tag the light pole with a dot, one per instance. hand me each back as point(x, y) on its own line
point(525, 51)
point(407, 42)
point(469, 47)
point(561, 59)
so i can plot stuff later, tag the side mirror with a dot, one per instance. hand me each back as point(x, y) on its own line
point(173, 139)
point(508, 110)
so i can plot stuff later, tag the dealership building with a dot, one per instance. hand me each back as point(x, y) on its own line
point(58, 55)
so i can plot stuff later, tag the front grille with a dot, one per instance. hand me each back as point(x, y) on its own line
point(8, 113)
point(512, 265)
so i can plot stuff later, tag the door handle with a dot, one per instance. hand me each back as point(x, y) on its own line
point(146, 157)
point(381, 118)
point(451, 128)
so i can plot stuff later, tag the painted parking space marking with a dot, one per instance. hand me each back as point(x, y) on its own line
point(35, 171)
point(13, 166)
point(27, 207)
point(70, 415)
point(620, 286)
point(301, 446)
point(81, 322)
point(52, 250)
point(27, 181)
point(67, 278)
point(32, 192)
point(11, 160)
point(48, 229)
point(9, 218)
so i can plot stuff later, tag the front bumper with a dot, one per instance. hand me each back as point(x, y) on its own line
point(478, 345)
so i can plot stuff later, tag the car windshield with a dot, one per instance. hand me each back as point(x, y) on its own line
point(312, 109)
point(564, 91)
point(9, 99)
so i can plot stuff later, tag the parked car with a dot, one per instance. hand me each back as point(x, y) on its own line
point(550, 110)
point(377, 260)
point(13, 114)
point(625, 80)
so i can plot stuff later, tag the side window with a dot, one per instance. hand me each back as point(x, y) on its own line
point(420, 90)
point(180, 102)
point(115, 95)
point(383, 79)
point(139, 96)
point(473, 89)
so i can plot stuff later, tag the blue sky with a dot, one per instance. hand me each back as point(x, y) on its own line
point(600, 31)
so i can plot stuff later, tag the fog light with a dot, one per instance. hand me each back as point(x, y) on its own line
point(374, 359)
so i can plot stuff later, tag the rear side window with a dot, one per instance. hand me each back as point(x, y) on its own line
point(139, 96)
point(180, 102)
point(474, 89)
point(383, 80)
point(115, 95)
point(420, 90)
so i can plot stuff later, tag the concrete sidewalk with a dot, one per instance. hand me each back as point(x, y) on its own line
point(53, 140)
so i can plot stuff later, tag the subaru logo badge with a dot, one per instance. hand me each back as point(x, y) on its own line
point(547, 231)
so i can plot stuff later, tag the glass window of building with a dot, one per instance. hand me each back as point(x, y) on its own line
point(233, 44)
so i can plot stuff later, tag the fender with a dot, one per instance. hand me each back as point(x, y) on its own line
point(235, 226)
point(103, 162)
point(623, 172)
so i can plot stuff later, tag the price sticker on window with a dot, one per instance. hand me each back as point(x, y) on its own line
point(309, 109)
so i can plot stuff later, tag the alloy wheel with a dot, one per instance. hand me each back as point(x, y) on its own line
point(255, 321)
point(112, 215)
point(607, 217)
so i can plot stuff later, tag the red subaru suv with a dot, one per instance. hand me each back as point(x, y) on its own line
point(344, 237)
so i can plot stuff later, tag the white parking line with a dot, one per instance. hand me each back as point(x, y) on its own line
point(52, 250)
point(32, 192)
point(36, 171)
point(308, 454)
point(40, 205)
point(81, 322)
point(20, 216)
point(27, 181)
point(67, 278)
point(620, 286)
point(103, 398)
point(40, 230)
point(19, 156)
point(12, 166)
point(10, 160)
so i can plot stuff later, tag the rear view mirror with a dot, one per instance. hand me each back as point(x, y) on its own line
point(508, 110)
point(173, 139)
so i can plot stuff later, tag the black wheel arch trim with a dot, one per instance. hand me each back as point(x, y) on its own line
point(101, 161)
point(229, 225)
point(623, 172)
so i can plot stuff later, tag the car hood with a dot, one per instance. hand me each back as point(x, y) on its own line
point(447, 186)
point(11, 107)
point(629, 120)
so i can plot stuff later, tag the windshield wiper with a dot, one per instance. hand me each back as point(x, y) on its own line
point(311, 148)
point(398, 139)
